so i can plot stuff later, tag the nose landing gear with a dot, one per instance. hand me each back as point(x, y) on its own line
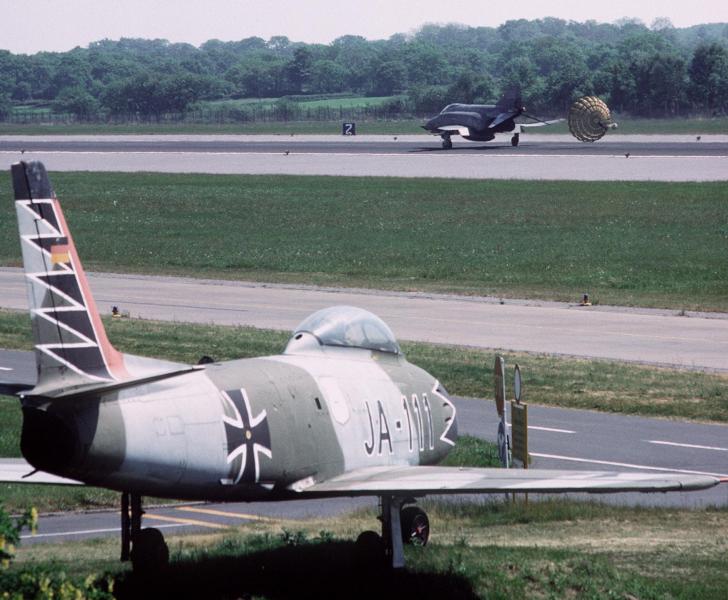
point(446, 142)
point(515, 139)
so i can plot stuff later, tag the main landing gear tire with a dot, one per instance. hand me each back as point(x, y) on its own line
point(446, 143)
point(369, 549)
point(415, 526)
point(515, 139)
point(149, 552)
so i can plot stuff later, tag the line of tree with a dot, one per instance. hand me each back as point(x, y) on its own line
point(649, 71)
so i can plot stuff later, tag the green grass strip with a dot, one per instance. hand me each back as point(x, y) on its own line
point(627, 125)
point(649, 244)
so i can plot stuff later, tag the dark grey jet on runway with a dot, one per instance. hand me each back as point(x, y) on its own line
point(480, 122)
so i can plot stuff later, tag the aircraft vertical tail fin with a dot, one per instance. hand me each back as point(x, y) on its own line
point(70, 341)
point(510, 100)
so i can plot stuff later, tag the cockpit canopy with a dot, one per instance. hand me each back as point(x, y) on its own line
point(349, 327)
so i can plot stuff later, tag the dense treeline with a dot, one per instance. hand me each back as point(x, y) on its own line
point(648, 71)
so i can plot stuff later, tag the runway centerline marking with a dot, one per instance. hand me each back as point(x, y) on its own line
point(627, 465)
point(6, 369)
point(223, 513)
point(695, 446)
point(550, 429)
point(194, 522)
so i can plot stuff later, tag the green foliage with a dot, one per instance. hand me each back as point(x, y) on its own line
point(51, 584)
point(472, 452)
point(294, 538)
point(76, 100)
point(709, 74)
point(10, 528)
point(6, 106)
point(657, 71)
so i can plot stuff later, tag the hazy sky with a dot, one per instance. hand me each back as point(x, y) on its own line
point(28, 26)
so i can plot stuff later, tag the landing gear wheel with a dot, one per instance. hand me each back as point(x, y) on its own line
point(149, 551)
point(369, 549)
point(515, 139)
point(446, 143)
point(415, 526)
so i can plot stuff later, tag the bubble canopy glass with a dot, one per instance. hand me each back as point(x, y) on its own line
point(350, 327)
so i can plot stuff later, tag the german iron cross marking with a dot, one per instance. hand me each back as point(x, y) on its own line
point(247, 436)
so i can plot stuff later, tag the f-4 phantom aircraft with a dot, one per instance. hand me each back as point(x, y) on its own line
point(340, 412)
point(480, 122)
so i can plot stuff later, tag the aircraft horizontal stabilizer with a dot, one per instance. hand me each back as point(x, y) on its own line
point(453, 480)
point(501, 118)
point(17, 470)
point(94, 389)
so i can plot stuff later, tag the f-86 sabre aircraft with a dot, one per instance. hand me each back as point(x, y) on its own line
point(339, 413)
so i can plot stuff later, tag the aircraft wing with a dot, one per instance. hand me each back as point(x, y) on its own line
point(463, 480)
point(502, 117)
point(17, 470)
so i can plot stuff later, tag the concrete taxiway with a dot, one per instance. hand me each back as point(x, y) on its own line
point(692, 340)
point(617, 157)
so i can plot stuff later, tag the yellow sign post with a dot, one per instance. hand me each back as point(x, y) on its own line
point(519, 423)
point(519, 434)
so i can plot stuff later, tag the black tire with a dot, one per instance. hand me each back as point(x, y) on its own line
point(446, 143)
point(149, 552)
point(515, 139)
point(369, 549)
point(415, 526)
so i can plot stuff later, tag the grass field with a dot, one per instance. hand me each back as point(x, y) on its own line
point(649, 244)
point(363, 127)
point(491, 549)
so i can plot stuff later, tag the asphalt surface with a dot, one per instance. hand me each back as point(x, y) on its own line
point(697, 340)
point(555, 157)
point(641, 145)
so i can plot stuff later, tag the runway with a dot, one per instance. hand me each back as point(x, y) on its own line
point(659, 337)
point(636, 145)
point(659, 158)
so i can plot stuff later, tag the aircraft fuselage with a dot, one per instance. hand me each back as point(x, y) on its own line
point(248, 429)
point(482, 121)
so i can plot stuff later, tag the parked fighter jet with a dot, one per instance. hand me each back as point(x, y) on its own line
point(340, 413)
point(480, 122)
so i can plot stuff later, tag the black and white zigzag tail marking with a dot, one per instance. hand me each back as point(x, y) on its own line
point(67, 328)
